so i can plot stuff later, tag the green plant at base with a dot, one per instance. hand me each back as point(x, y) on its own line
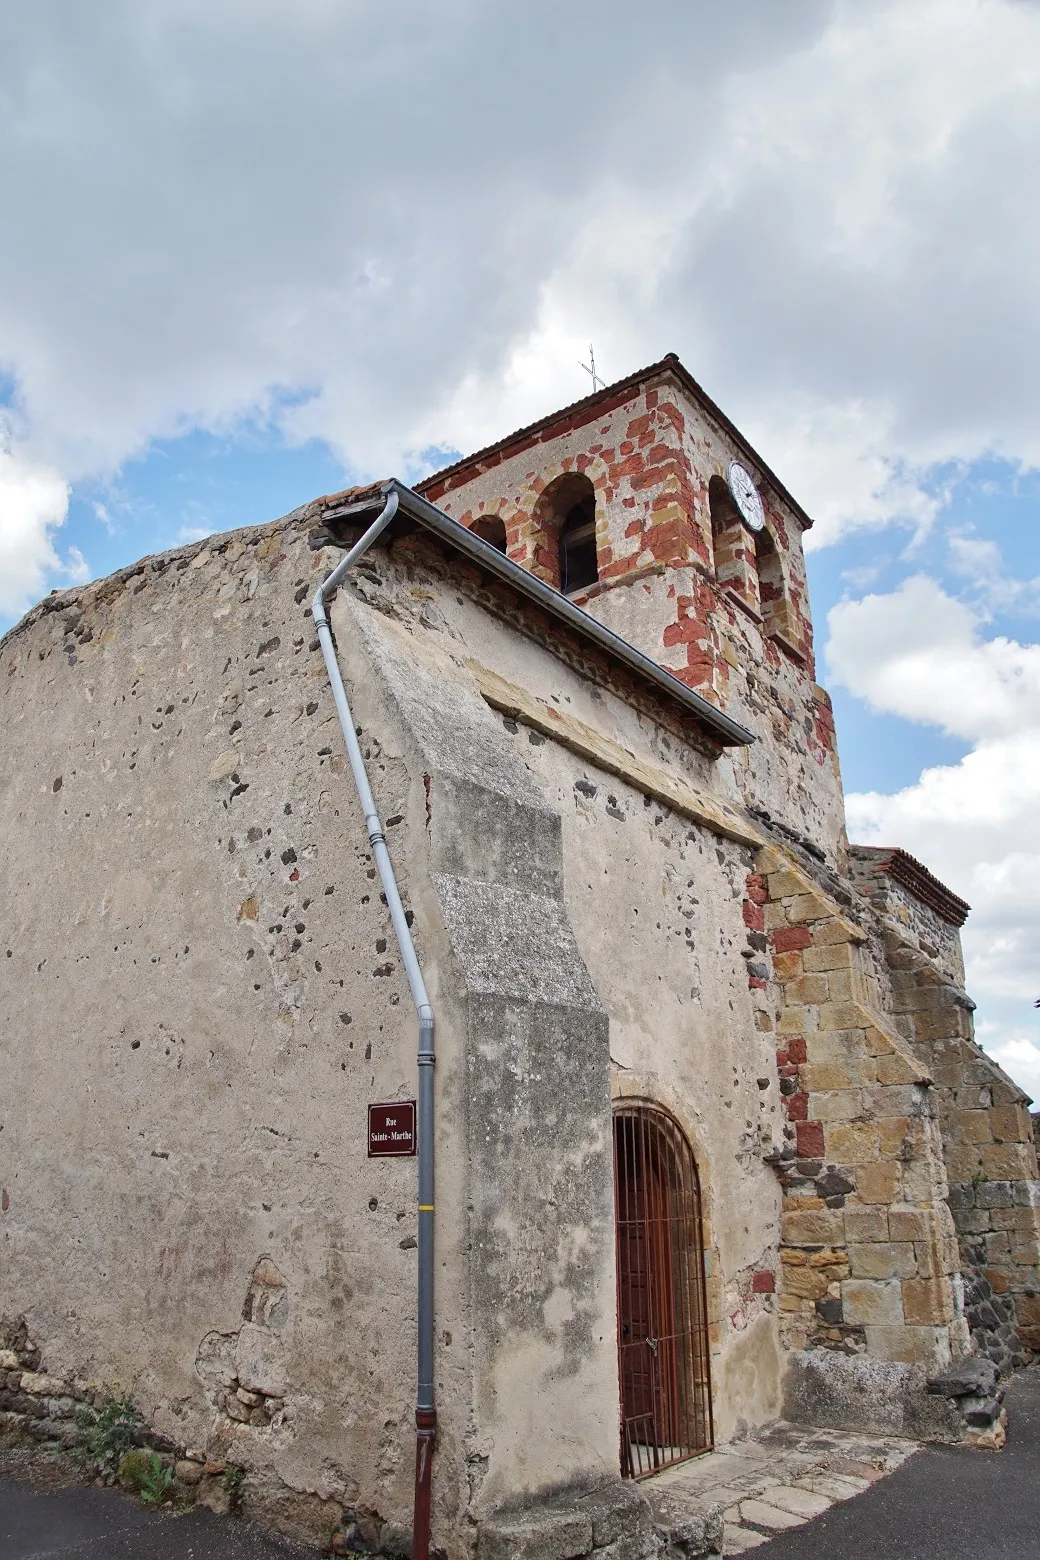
point(107, 1433)
point(234, 1479)
point(156, 1483)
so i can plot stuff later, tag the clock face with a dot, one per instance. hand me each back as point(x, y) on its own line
point(746, 496)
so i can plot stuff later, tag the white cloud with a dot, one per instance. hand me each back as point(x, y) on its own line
point(33, 502)
point(1017, 1051)
point(980, 561)
point(921, 654)
point(918, 652)
point(399, 226)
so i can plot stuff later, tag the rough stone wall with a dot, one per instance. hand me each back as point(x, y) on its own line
point(188, 1209)
point(918, 924)
point(535, 1116)
point(869, 1255)
point(199, 995)
point(654, 862)
point(990, 1157)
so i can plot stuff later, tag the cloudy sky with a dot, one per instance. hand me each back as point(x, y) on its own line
point(250, 250)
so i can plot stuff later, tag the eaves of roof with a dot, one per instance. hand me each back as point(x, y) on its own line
point(603, 400)
point(357, 502)
point(913, 875)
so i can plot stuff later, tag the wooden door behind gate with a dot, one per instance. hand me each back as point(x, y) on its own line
point(662, 1320)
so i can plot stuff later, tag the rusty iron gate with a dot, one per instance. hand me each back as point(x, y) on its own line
point(662, 1314)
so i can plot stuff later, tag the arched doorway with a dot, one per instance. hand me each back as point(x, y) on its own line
point(662, 1311)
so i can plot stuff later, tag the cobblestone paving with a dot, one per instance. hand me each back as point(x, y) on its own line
point(774, 1481)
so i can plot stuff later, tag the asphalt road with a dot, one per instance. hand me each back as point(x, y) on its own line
point(78, 1522)
point(945, 1503)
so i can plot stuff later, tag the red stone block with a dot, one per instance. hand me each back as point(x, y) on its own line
point(796, 1049)
point(810, 1140)
point(687, 632)
point(756, 888)
point(798, 1107)
point(754, 916)
point(786, 939)
point(763, 1282)
point(627, 468)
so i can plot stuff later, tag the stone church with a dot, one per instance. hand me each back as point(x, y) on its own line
point(711, 1137)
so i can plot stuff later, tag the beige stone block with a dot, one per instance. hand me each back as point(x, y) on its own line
point(914, 1224)
point(825, 957)
point(830, 933)
point(1021, 1219)
point(841, 1015)
point(854, 1143)
point(795, 1202)
point(929, 1261)
point(1007, 1161)
point(793, 1304)
point(866, 1224)
point(1004, 1093)
point(942, 1023)
point(841, 986)
point(872, 1302)
point(880, 1182)
point(963, 1161)
point(828, 1075)
point(786, 966)
point(841, 1105)
point(810, 990)
point(883, 1259)
point(828, 1257)
point(835, 1045)
point(823, 1228)
point(806, 1282)
point(892, 1134)
point(784, 884)
point(895, 1069)
point(808, 907)
point(764, 1022)
point(949, 1254)
point(792, 1257)
point(776, 916)
point(927, 1302)
point(39, 1384)
point(1010, 1124)
point(922, 1182)
point(927, 1346)
point(971, 1126)
point(792, 1021)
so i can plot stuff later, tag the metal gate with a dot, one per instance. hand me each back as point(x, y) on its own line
point(662, 1315)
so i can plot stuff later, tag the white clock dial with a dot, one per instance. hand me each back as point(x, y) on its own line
point(746, 496)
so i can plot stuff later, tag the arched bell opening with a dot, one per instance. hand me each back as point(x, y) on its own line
point(492, 529)
point(663, 1359)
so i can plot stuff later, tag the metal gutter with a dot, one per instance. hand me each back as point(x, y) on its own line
point(425, 1402)
point(726, 731)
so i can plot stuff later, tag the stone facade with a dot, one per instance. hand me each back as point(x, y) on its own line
point(613, 905)
point(988, 1148)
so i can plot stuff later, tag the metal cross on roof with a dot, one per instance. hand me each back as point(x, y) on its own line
point(597, 382)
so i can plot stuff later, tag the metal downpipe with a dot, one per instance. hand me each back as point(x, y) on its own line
point(425, 1402)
